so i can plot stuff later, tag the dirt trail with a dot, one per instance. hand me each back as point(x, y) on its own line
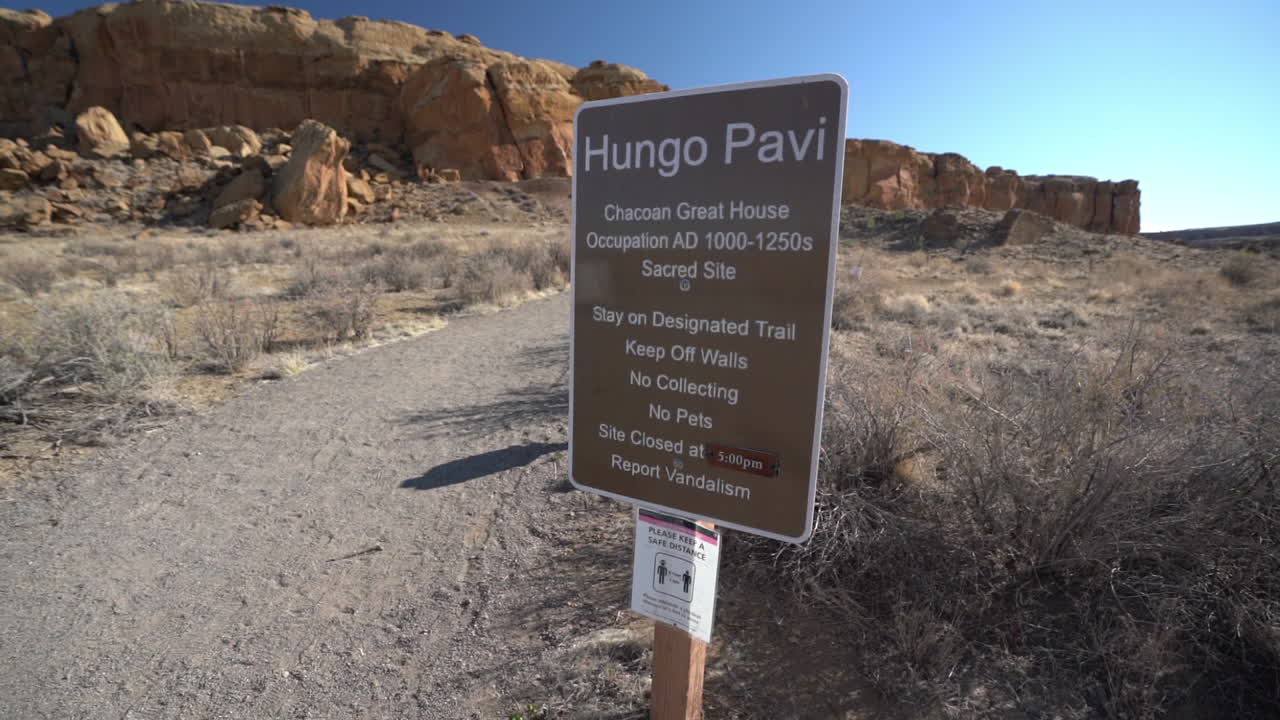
point(348, 543)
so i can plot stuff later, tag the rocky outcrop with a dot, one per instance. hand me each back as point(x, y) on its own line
point(199, 80)
point(312, 187)
point(885, 175)
point(160, 65)
point(601, 80)
point(1022, 227)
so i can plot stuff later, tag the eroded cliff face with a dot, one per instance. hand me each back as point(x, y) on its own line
point(456, 105)
point(162, 65)
point(882, 174)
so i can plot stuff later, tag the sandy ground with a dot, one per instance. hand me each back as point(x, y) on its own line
point(374, 538)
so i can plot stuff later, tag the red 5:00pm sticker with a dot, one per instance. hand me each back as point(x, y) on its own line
point(756, 462)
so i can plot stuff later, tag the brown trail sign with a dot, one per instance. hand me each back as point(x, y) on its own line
point(704, 247)
point(704, 241)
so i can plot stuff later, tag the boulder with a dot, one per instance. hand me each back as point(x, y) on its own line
point(13, 179)
point(234, 214)
point(172, 145)
point(15, 156)
point(249, 184)
point(21, 213)
point(143, 146)
point(311, 188)
point(100, 133)
point(238, 139)
point(359, 189)
point(183, 205)
point(601, 80)
point(57, 153)
point(1022, 227)
point(197, 143)
point(65, 212)
point(55, 171)
point(941, 228)
point(449, 175)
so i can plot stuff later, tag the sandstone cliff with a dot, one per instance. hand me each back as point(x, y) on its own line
point(160, 65)
point(461, 109)
point(885, 175)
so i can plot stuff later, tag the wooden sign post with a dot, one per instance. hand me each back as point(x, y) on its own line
point(679, 663)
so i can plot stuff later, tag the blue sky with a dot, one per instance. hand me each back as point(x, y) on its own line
point(1182, 96)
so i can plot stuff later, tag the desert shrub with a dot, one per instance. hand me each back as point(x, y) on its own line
point(157, 258)
point(397, 272)
point(193, 285)
point(1092, 526)
point(97, 248)
point(979, 265)
point(344, 310)
point(855, 303)
point(490, 278)
point(104, 342)
point(30, 274)
point(285, 365)
point(427, 248)
point(541, 265)
point(312, 276)
point(1265, 316)
point(233, 334)
point(1241, 270)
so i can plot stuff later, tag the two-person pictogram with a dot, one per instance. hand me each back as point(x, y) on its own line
point(673, 576)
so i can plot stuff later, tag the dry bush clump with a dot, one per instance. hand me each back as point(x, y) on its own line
point(398, 271)
point(313, 276)
point(29, 273)
point(1265, 315)
point(84, 367)
point(1089, 534)
point(1241, 270)
point(234, 334)
point(856, 303)
point(490, 278)
point(193, 285)
point(344, 310)
point(911, 308)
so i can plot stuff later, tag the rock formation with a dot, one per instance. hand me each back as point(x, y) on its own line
point(199, 80)
point(885, 175)
point(161, 65)
point(312, 187)
point(601, 80)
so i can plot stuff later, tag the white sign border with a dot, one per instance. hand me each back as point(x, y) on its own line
point(826, 326)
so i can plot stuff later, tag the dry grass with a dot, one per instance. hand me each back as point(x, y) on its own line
point(199, 303)
point(31, 274)
point(1095, 527)
point(1055, 505)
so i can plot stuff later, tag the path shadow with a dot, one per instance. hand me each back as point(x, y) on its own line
point(514, 409)
point(476, 466)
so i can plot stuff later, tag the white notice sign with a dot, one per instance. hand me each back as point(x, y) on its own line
point(674, 578)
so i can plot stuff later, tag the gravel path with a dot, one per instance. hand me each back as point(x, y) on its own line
point(348, 543)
